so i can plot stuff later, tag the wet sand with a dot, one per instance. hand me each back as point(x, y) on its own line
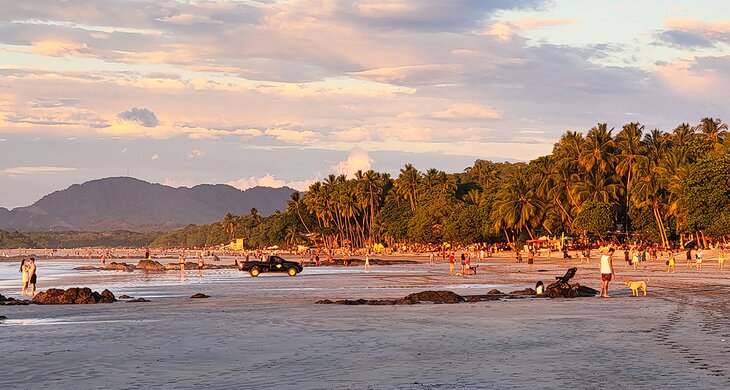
point(267, 332)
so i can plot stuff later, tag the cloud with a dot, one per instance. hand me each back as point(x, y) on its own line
point(505, 30)
point(293, 136)
point(18, 171)
point(59, 48)
point(195, 154)
point(141, 116)
point(684, 39)
point(467, 111)
point(269, 180)
point(357, 160)
point(413, 74)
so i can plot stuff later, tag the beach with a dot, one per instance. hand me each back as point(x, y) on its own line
point(267, 332)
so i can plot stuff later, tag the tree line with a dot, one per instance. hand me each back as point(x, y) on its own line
point(628, 183)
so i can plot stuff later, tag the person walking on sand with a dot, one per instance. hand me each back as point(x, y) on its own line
point(431, 261)
point(607, 272)
point(24, 277)
point(181, 261)
point(367, 262)
point(689, 258)
point(670, 262)
point(32, 276)
point(698, 258)
point(530, 259)
point(452, 264)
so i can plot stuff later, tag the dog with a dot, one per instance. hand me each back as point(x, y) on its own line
point(635, 286)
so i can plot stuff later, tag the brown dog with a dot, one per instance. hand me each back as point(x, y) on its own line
point(635, 286)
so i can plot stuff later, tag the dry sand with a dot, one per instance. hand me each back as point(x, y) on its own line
point(268, 333)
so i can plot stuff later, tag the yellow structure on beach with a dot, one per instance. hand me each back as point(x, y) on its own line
point(236, 245)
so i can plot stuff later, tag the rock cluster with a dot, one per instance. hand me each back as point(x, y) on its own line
point(11, 301)
point(137, 300)
point(75, 295)
point(411, 299)
point(199, 295)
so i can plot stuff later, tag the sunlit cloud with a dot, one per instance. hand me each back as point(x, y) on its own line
point(357, 160)
point(19, 171)
point(269, 180)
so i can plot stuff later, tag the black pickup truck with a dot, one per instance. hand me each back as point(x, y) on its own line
point(273, 264)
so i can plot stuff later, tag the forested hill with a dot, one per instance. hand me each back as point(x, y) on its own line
point(132, 204)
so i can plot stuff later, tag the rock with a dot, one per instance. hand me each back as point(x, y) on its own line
point(3, 318)
point(151, 266)
point(137, 300)
point(107, 297)
point(324, 302)
point(584, 291)
point(3, 299)
point(176, 266)
point(494, 291)
point(125, 296)
point(200, 295)
point(119, 267)
point(434, 297)
point(86, 268)
point(527, 291)
point(75, 295)
point(16, 302)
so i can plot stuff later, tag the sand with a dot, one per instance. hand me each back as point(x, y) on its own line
point(268, 333)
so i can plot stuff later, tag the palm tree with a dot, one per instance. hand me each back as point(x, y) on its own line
point(229, 223)
point(598, 150)
point(294, 204)
point(713, 129)
point(255, 216)
point(631, 154)
point(649, 193)
point(407, 184)
point(517, 204)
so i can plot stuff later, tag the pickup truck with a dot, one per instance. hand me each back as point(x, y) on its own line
point(272, 264)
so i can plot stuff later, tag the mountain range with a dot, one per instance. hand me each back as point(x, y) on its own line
point(125, 203)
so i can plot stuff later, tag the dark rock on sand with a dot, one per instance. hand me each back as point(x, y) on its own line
point(494, 291)
point(73, 295)
point(85, 268)
point(3, 299)
point(119, 267)
point(15, 302)
point(137, 300)
point(3, 318)
point(423, 296)
point(584, 291)
point(432, 296)
point(527, 291)
point(176, 266)
point(125, 296)
point(200, 295)
point(151, 265)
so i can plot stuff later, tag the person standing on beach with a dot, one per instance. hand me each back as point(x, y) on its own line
point(181, 261)
point(201, 263)
point(431, 261)
point(670, 262)
point(689, 258)
point(530, 259)
point(32, 276)
point(720, 258)
point(24, 277)
point(452, 264)
point(607, 272)
point(367, 263)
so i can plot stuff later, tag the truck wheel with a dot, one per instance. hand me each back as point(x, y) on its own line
point(292, 271)
point(254, 272)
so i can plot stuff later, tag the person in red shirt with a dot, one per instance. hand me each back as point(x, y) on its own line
point(452, 263)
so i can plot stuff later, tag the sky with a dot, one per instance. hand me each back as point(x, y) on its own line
point(280, 93)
